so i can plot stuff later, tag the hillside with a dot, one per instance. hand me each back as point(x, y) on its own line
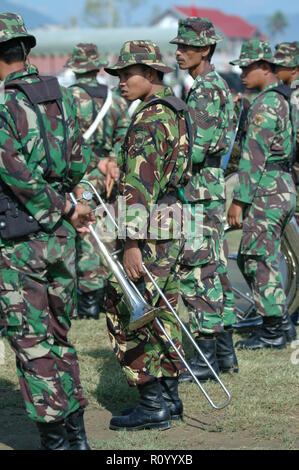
point(33, 19)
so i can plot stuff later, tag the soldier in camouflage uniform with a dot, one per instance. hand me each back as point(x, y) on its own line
point(105, 142)
point(42, 158)
point(205, 286)
point(287, 71)
point(154, 160)
point(266, 193)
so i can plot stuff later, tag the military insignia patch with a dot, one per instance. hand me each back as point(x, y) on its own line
point(258, 119)
point(139, 140)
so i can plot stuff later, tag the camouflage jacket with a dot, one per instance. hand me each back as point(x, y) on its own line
point(154, 162)
point(108, 138)
point(295, 107)
point(211, 109)
point(23, 157)
point(268, 139)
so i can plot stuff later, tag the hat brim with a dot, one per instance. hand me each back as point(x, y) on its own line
point(84, 67)
point(29, 37)
point(122, 65)
point(197, 43)
point(246, 62)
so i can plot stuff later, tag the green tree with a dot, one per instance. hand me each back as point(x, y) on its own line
point(277, 23)
point(110, 13)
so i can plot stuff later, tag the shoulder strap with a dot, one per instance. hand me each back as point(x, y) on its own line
point(99, 91)
point(177, 105)
point(45, 90)
point(283, 90)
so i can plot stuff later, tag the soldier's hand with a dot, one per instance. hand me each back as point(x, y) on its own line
point(132, 260)
point(234, 214)
point(112, 176)
point(102, 165)
point(82, 217)
point(237, 98)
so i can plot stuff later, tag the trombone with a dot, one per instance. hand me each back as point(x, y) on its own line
point(141, 312)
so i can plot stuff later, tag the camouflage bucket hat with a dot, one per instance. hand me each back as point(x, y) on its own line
point(85, 58)
point(12, 27)
point(287, 54)
point(195, 31)
point(253, 51)
point(139, 52)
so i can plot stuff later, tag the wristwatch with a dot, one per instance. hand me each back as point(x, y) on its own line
point(69, 214)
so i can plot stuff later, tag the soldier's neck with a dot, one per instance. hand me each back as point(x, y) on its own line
point(200, 69)
point(7, 69)
point(268, 80)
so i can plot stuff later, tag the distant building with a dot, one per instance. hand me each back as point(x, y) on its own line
point(234, 29)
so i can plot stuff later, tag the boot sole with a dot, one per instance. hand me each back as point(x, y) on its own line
point(163, 425)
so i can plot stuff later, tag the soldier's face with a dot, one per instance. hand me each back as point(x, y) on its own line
point(252, 76)
point(134, 83)
point(284, 74)
point(190, 57)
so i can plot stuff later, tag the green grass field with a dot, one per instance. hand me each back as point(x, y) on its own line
point(263, 413)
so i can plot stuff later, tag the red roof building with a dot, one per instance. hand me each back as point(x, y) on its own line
point(234, 29)
point(230, 26)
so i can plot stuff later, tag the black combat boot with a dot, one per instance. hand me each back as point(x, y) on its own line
point(288, 328)
point(53, 436)
point(295, 317)
point(76, 430)
point(90, 303)
point(171, 397)
point(225, 352)
point(198, 365)
point(269, 335)
point(151, 412)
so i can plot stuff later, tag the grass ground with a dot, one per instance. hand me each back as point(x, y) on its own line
point(263, 413)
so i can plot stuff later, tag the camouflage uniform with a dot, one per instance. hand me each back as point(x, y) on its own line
point(287, 54)
point(265, 188)
point(105, 142)
point(205, 287)
point(153, 164)
point(37, 271)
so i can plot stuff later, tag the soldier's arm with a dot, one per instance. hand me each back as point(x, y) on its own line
point(204, 107)
point(256, 148)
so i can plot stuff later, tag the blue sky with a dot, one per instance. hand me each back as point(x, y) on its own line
point(245, 8)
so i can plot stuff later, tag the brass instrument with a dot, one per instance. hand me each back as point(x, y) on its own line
point(141, 312)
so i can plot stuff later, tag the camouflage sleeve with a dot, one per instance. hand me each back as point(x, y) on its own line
point(264, 118)
point(116, 126)
point(204, 105)
point(79, 150)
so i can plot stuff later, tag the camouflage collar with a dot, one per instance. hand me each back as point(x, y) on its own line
point(272, 85)
point(164, 91)
point(30, 70)
point(88, 80)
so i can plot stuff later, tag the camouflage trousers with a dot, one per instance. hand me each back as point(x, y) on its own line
point(259, 252)
point(145, 354)
point(205, 286)
point(38, 297)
